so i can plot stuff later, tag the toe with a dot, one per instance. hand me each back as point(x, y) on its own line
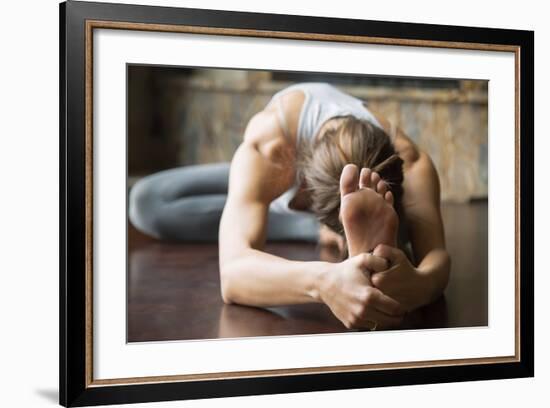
point(374, 179)
point(364, 177)
point(381, 188)
point(349, 179)
point(389, 197)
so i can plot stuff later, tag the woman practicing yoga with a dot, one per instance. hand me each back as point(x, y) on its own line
point(314, 165)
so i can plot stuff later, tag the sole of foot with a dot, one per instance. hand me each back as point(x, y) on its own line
point(366, 210)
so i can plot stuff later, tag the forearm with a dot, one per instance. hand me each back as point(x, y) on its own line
point(435, 269)
point(256, 278)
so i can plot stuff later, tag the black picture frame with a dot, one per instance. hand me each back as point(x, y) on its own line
point(76, 389)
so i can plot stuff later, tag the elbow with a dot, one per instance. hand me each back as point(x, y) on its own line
point(226, 295)
point(233, 279)
point(440, 274)
point(227, 285)
point(446, 268)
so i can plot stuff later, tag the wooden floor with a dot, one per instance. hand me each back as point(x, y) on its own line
point(174, 293)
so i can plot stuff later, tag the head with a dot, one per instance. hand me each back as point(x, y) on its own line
point(349, 140)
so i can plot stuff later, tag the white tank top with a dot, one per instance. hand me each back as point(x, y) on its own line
point(321, 103)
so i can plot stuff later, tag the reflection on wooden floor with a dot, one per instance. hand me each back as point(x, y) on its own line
point(174, 294)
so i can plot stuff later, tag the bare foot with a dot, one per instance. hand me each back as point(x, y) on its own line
point(329, 238)
point(332, 245)
point(366, 210)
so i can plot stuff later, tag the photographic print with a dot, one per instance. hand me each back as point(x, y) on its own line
point(255, 203)
point(354, 203)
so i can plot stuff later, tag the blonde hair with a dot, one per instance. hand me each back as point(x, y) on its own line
point(354, 141)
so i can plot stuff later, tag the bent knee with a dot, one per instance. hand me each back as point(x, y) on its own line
point(143, 203)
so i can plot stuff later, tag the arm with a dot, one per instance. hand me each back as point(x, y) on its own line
point(421, 205)
point(260, 173)
point(422, 208)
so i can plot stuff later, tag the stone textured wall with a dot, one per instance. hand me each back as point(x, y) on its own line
point(209, 111)
point(452, 128)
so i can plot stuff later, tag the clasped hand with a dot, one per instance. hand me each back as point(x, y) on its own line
point(399, 279)
point(374, 289)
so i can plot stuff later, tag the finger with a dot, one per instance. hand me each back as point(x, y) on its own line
point(364, 177)
point(393, 255)
point(385, 304)
point(349, 179)
point(374, 317)
point(372, 262)
point(380, 279)
point(381, 188)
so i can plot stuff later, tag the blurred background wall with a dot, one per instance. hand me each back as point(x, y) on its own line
point(182, 116)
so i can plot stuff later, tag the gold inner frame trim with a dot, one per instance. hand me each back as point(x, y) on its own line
point(93, 24)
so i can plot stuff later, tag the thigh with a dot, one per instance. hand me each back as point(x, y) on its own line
point(296, 226)
point(192, 180)
point(193, 218)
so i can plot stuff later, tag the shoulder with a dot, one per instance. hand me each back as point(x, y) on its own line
point(265, 131)
point(421, 183)
point(407, 149)
point(404, 145)
point(418, 166)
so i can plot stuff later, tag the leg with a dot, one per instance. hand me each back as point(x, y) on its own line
point(186, 203)
point(329, 238)
point(292, 227)
point(366, 211)
point(182, 204)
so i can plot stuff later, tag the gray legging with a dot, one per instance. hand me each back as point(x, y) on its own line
point(186, 204)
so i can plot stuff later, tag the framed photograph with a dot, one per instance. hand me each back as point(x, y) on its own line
point(256, 203)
